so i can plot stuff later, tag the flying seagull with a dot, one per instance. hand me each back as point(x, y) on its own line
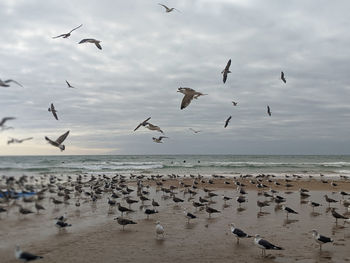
point(5, 83)
point(189, 95)
point(264, 244)
point(69, 85)
point(168, 10)
point(68, 34)
point(144, 123)
point(3, 120)
point(227, 121)
point(59, 141)
point(25, 256)
point(53, 110)
point(283, 77)
point(152, 127)
point(91, 40)
point(268, 110)
point(234, 103)
point(13, 140)
point(159, 140)
point(321, 239)
point(226, 71)
point(238, 233)
point(195, 130)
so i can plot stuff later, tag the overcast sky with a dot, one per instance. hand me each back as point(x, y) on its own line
point(147, 54)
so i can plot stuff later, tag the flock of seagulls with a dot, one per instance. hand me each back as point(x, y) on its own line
point(121, 189)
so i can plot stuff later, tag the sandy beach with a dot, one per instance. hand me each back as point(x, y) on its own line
point(96, 237)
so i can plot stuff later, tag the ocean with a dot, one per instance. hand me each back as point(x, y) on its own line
point(177, 164)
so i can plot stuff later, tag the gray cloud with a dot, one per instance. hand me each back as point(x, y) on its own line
point(147, 54)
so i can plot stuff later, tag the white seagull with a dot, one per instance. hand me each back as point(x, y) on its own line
point(238, 233)
point(59, 141)
point(159, 229)
point(321, 239)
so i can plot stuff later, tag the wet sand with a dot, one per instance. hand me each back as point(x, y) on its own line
point(96, 237)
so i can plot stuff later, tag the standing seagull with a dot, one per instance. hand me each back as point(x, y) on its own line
point(144, 123)
point(3, 120)
point(268, 110)
point(159, 229)
point(283, 78)
point(69, 85)
point(59, 141)
point(190, 94)
point(288, 210)
point(238, 233)
point(53, 110)
point(167, 9)
point(321, 239)
point(124, 221)
point(5, 83)
point(264, 244)
point(91, 40)
point(226, 71)
point(227, 121)
point(68, 34)
point(25, 256)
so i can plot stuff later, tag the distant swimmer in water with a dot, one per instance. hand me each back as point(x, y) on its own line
point(184, 161)
point(199, 161)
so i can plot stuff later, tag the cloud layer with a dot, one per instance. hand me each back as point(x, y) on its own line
point(147, 54)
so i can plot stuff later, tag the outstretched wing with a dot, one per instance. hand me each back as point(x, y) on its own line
point(224, 78)
point(98, 45)
point(186, 100)
point(53, 110)
point(6, 119)
point(228, 65)
point(84, 40)
point(75, 28)
point(69, 85)
point(167, 8)
point(11, 80)
point(227, 121)
point(62, 138)
point(27, 139)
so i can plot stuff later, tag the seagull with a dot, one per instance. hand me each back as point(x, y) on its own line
point(3, 120)
point(25, 256)
point(69, 85)
point(68, 34)
point(53, 110)
point(189, 216)
point(337, 215)
point(329, 200)
point(211, 210)
point(150, 212)
point(14, 140)
point(62, 224)
point(314, 204)
point(227, 121)
point(91, 40)
point(288, 210)
point(144, 123)
point(283, 78)
point(264, 244)
point(226, 71)
point(159, 229)
point(159, 140)
point(234, 103)
point(190, 94)
point(124, 221)
point(321, 239)
point(59, 141)
point(5, 83)
point(152, 127)
point(238, 233)
point(195, 130)
point(268, 110)
point(167, 9)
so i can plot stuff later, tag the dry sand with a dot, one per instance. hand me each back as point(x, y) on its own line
point(96, 237)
